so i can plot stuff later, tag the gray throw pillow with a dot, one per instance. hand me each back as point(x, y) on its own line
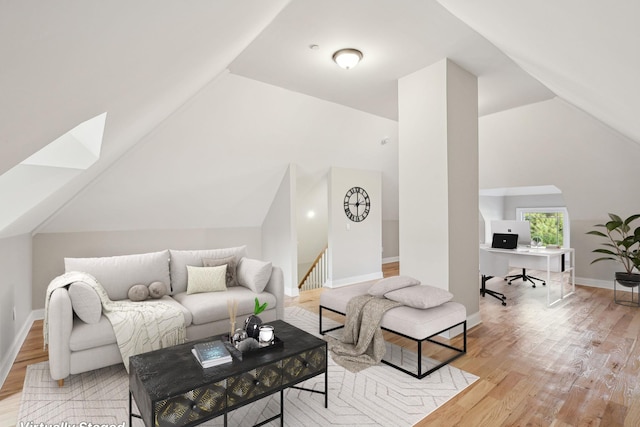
point(157, 290)
point(232, 264)
point(138, 292)
point(423, 296)
point(388, 284)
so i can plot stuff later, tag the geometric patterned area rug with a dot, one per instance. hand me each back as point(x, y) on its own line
point(377, 396)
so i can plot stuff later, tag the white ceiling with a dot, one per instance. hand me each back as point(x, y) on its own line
point(141, 61)
point(585, 51)
point(396, 37)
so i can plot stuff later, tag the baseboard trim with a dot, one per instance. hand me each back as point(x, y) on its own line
point(10, 358)
point(391, 259)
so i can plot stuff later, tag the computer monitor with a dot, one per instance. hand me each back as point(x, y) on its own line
point(521, 228)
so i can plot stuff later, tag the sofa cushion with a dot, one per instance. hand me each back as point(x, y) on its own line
point(85, 336)
point(206, 279)
point(254, 274)
point(188, 318)
point(118, 273)
point(423, 296)
point(212, 306)
point(85, 302)
point(388, 284)
point(231, 262)
point(90, 335)
point(180, 260)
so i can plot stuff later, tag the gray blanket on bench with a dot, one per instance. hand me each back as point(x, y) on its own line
point(362, 343)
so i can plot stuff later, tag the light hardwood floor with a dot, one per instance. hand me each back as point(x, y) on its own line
point(574, 364)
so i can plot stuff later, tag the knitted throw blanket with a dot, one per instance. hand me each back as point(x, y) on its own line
point(362, 343)
point(139, 326)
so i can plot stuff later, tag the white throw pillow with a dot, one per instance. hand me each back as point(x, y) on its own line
point(254, 274)
point(423, 296)
point(388, 284)
point(206, 279)
point(85, 302)
point(180, 260)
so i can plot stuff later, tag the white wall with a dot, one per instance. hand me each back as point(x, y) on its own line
point(218, 160)
point(279, 232)
point(355, 248)
point(504, 207)
point(15, 296)
point(390, 240)
point(571, 150)
point(50, 249)
point(491, 209)
point(312, 230)
point(438, 165)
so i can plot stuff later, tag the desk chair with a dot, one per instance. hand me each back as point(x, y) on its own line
point(495, 294)
point(525, 278)
point(491, 267)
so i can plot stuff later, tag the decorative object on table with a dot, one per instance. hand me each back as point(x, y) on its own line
point(266, 335)
point(253, 322)
point(232, 306)
point(248, 345)
point(212, 353)
point(624, 244)
point(537, 242)
point(238, 336)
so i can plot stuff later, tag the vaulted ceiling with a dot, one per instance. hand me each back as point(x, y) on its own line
point(141, 61)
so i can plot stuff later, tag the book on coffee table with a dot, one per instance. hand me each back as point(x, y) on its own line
point(212, 353)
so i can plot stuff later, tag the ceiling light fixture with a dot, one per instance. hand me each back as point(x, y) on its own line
point(347, 58)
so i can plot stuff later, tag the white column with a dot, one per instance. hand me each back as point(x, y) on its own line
point(438, 179)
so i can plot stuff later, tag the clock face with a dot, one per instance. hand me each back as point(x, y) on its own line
point(357, 204)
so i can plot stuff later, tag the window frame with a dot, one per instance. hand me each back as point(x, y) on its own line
point(566, 232)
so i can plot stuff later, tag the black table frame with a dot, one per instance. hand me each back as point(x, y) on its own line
point(420, 374)
point(296, 341)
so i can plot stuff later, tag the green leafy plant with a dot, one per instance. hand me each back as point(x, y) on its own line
point(622, 242)
point(259, 308)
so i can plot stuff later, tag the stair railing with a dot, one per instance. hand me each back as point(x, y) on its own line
point(317, 274)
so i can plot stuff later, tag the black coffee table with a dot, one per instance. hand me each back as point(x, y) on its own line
point(172, 389)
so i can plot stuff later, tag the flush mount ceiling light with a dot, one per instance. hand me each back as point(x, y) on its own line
point(347, 58)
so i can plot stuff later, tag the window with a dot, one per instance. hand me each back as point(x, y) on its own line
point(30, 182)
point(549, 224)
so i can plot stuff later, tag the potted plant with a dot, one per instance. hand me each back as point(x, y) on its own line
point(253, 322)
point(622, 245)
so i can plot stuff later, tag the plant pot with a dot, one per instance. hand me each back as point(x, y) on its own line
point(252, 326)
point(629, 280)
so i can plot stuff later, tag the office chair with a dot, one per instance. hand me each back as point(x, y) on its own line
point(489, 268)
point(525, 278)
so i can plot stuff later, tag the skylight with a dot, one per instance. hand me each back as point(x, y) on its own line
point(27, 184)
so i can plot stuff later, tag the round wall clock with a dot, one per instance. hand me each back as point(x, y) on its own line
point(357, 204)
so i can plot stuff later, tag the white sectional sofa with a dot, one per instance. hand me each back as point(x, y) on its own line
point(81, 338)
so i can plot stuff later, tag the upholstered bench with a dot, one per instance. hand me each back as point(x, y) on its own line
point(416, 324)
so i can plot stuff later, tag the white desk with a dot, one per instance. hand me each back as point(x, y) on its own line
point(530, 258)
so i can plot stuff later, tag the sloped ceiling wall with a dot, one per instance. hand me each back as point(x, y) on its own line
point(219, 160)
point(585, 51)
point(66, 61)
